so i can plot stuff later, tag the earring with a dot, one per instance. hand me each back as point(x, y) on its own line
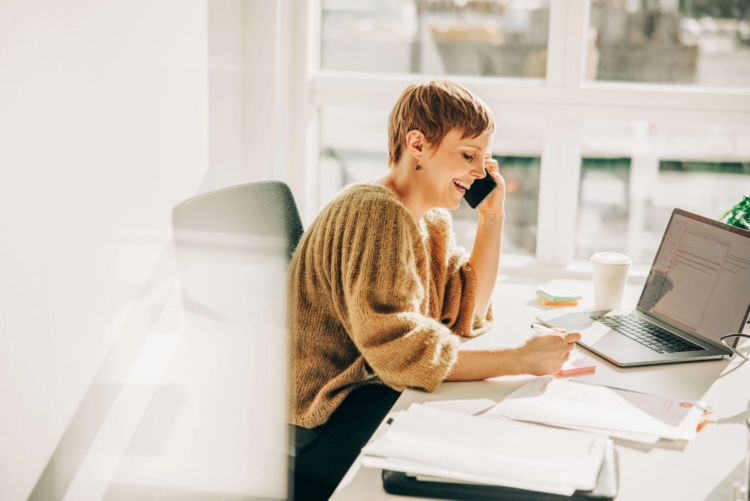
point(418, 167)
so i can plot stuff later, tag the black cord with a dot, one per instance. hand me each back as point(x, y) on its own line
point(736, 334)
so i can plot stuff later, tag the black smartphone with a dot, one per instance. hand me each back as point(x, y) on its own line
point(480, 190)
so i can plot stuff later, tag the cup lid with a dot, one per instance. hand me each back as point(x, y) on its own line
point(610, 258)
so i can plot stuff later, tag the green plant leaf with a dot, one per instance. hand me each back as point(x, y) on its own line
point(739, 215)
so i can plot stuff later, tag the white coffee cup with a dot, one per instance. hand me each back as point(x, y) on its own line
point(610, 274)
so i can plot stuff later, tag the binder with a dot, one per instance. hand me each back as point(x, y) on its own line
point(606, 488)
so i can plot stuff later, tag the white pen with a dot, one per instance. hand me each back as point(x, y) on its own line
point(544, 329)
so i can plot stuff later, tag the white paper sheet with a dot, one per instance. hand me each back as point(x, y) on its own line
point(568, 402)
point(421, 470)
point(625, 435)
point(512, 451)
point(468, 407)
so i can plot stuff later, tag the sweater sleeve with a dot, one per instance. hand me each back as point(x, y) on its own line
point(460, 298)
point(382, 293)
point(459, 295)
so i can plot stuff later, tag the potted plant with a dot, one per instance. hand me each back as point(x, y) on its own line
point(739, 215)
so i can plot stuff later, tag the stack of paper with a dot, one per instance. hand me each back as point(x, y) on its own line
point(557, 297)
point(431, 442)
point(615, 412)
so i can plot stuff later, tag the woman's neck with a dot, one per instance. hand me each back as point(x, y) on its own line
point(403, 183)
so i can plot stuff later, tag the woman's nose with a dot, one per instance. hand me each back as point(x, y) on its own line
point(478, 171)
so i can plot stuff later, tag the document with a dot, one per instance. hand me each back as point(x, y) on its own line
point(572, 403)
point(625, 435)
point(434, 442)
point(427, 471)
point(470, 407)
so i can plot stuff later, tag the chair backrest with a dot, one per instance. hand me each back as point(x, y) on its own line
point(233, 248)
point(264, 209)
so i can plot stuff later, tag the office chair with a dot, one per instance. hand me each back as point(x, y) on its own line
point(254, 221)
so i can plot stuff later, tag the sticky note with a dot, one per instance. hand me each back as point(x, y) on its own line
point(575, 365)
point(556, 295)
point(556, 303)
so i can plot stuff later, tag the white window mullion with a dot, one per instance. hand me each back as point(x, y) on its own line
point(568, 42)
point(300, 137)
point(558, 16)
point(558, 191)
point(561, 157)
point(576, 42)
point(313, 20)
point(364, 90)
point(311, 164)
point(309, 168)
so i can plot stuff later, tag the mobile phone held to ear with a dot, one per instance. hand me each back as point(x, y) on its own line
point(480, 190)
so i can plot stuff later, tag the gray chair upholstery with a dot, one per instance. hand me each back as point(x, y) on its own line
point(249, 222)
point(263, 209)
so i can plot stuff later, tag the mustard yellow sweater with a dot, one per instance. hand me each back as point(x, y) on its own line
point(375, 298)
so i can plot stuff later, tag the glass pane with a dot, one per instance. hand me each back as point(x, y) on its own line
point(354, 149)
point(502, 38)
point(633, 174)
point(700, 42)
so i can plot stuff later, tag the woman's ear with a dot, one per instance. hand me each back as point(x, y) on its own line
point(415, 143)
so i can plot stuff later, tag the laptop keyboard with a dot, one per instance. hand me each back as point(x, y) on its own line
point(648, 334)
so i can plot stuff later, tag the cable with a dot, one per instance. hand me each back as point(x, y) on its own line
point(737, 334)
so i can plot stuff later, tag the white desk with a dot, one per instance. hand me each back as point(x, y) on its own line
point(703, 469)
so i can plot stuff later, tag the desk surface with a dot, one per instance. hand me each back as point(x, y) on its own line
point(703, 469)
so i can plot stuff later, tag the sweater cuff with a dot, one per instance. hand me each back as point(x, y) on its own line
point(481, 325)
point(444, 364)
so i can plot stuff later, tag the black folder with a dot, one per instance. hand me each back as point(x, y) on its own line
point(400, 483)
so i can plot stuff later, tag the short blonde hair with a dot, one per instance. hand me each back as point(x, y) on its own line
point(435, 108)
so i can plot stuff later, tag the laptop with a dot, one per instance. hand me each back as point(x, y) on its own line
point(697, 291)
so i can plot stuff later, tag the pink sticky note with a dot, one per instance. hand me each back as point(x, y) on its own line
point(575, 365)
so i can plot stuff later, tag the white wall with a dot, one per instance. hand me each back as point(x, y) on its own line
point(103, 128)
point(226, 70)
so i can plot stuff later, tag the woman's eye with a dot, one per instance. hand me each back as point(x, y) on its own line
point(468, 157)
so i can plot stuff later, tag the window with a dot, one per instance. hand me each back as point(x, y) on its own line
point(701, 42)
point(633, 174)
point(463, 37)
point(598, 158)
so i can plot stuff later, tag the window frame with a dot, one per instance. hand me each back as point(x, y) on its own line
point(564, 99)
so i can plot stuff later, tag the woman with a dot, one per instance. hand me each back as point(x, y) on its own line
point(380, 294)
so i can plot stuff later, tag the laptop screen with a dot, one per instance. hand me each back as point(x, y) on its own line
point(700, 279)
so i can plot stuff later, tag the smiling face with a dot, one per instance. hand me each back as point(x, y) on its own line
point(449, 170)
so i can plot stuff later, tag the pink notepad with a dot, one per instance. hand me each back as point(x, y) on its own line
point(575, 365)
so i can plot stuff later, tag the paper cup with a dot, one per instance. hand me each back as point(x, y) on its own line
point(610, 271)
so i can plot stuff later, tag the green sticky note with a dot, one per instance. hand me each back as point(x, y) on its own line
point(557, 295)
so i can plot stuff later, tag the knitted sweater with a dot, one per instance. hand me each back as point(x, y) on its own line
point(375, 298)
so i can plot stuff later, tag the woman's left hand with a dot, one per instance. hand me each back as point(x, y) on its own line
point(495, 203)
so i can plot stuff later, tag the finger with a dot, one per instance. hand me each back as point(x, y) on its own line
point(573, 336)
point(559, 337)
point(561, 330)
point(497, 177)
point(567, 356)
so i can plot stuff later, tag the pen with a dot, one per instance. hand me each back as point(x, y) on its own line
point(544, 329)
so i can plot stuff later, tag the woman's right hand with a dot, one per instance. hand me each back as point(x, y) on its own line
point(544, 354)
